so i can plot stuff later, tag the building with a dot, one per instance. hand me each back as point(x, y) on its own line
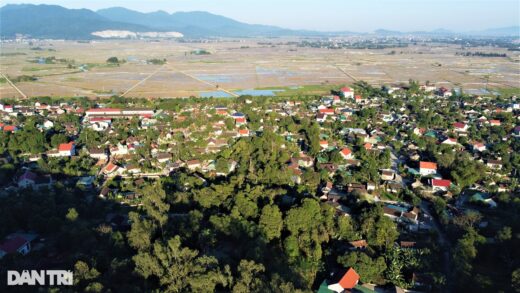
point(17, 243)
point(100, 154)
point(66, 149)
point(347, 93)
point(346, 154)
point(343, 281)
point(440, 185)
point(33, 180)
point(427, 168)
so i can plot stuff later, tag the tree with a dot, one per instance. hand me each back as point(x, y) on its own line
point(179, 269)
point(72, 215)
point(504, 234)
point(154, 203)
point(113, 60)
point(140, 234)
point(515, 280)
point(465, 251)
point(370, 270)
point(466, 171)
point(271, 222)
point(250, 277)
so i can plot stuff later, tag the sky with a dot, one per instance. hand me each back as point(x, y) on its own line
point(333, 15)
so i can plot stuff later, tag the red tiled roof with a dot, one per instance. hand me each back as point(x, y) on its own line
point(9, 128)
point(427, 165)
point(66, 147)
point(346, 89)
point(346, 151)
point(459, 125)
point(349, 280)
point(327, 110)
point(441, 182)
point(104, 110)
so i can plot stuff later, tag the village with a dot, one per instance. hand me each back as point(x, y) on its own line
point(430, 157)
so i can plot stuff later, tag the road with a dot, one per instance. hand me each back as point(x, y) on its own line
point(142, 81)
point(443, 242)
point(13, 86)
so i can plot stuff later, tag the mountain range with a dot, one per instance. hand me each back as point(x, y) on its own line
point(56, 22)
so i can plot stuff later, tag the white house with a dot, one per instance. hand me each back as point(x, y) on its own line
point(347, 92)
point(427, 168)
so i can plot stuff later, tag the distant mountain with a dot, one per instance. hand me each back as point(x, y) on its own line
point(196, 23)
point(51, 21)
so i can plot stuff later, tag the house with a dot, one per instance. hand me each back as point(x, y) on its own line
point(67, 149)
point(320, 117)
point(358, 244)
point(494, 164)
point(450, 141)
point(243, 132)
point(10, 128)
point(17, 243)
point(36, 181)
point(387, 175)
point(393, 212)
point(494, 122)
point(346, 154)
point(326, 111)
point(193, 165)
point(359, 99)
point(478, 146)
point(97, 153)
point(344, 280)
point(119, 150)
point(427, 168)
point(239, 121)
point(460, 127)
point(110, 168)
point(440, 185)
point(163, 157)
point(324, 144)
point(48, 124)
point(347, 92)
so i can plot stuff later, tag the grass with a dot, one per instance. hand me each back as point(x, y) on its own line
point(31, 69)
point(507, 92)
point(2, 80)
point(304, 90)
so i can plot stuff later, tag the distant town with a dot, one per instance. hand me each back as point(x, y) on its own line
point(391, 188)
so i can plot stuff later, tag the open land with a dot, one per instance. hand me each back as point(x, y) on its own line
point(240, 65)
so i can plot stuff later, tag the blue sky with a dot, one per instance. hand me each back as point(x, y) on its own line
point(334, 15)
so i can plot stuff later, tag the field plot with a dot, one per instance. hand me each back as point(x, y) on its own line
point(66, 68)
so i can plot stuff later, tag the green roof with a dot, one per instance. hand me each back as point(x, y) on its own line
point(324, 288)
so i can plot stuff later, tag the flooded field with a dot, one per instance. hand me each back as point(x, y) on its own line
point(237, 66)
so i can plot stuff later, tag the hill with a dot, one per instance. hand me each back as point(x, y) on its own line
point(52, 21)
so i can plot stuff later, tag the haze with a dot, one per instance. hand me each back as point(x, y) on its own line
point(335, 15)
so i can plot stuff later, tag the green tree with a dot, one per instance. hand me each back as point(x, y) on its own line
point(271, 222)
point(72, 215)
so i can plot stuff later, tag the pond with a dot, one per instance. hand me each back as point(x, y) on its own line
point(257, 93)
point(215, 94)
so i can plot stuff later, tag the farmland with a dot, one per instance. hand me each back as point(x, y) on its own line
point(80, 68)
